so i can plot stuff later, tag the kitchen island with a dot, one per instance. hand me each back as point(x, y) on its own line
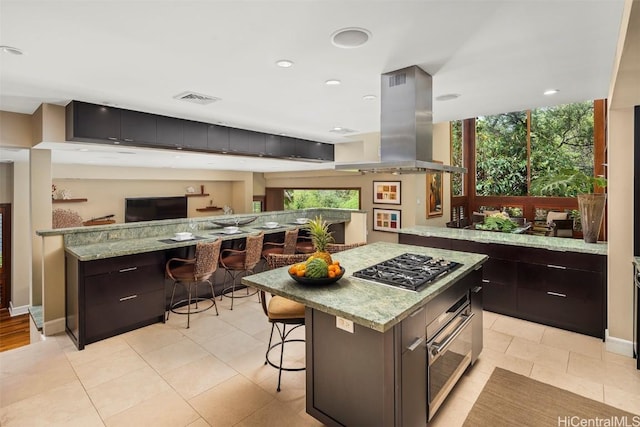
point(555, 281)
point(365, 354)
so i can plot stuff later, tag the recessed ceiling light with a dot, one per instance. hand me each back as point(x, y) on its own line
point(551, 91)
point(369, 97)
point(284, 63)
point(11, 49)
point(448, 97)
point(348, 38)
point(332, 82)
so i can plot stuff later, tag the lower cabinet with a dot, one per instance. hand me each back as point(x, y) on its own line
point(110, 296)
point(566, 290)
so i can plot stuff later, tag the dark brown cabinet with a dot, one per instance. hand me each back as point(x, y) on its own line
point(562, 289)
point(102, 124)
point(110, 296)
point(92, 123)
point(137, 128)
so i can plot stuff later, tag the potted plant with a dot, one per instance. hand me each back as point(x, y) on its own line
point(576, 183)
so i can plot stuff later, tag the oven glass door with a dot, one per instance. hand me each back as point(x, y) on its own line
point(449, 355)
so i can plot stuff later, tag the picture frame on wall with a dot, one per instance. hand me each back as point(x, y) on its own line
point(386, 192)
point(386, 219)
point(434, 194)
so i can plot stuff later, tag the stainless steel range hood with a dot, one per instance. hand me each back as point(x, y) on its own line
point(406, 126)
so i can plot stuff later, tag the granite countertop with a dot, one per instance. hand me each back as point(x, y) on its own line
point(543, 242)
point(114, 248)
point(378, 307)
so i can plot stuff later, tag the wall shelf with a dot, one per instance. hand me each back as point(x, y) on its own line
point(68, 200)
point(197, 195)
point(209, 208)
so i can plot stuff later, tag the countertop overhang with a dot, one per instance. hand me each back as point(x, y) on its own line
point(375, 306)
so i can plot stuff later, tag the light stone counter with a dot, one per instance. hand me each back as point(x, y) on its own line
point(543, 242)
point(378, 307)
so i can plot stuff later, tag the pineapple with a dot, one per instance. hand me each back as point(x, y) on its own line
point(320, 237)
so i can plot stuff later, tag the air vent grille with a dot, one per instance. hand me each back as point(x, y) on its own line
point(397, 79)
point(197, 98)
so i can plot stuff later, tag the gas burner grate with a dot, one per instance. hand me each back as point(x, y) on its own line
point(408, 271)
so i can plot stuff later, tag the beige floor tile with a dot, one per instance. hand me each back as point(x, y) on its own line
point(230, 402)
point(275, 413)
point(490, 359)
point(519, 328)
point(292, 388)
point(164, 409)
point(495, 340)
point(488, 317)
point(231, 346)
point(96, 350)
point(583, 344)
point(67, 405)
point(539, 354)
point(152, 337)
point(205, 328)
point(111, 366)
point(20, 381)
point(251, 365)
point(624, 400)
point(174, 355)
point(577, 385)
point(452, 413)
point(198, 376)
point(613, 374)
point(23, 359)
point(251, 322)
point(470, 384)
point(200, 422)
point(628, 361)
point(126, 391)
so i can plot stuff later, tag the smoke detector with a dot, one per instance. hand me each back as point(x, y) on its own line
point(197, 98)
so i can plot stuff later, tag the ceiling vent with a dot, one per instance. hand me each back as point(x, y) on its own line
point(196, 98)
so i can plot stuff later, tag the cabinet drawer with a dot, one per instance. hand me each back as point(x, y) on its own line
point(574, 260)
point(126, 262)
point(114, 318)
point(111, 287)
point(414, 328)
point(499, 297)
point(578, 284)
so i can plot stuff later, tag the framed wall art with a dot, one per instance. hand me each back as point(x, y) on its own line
point(386, 219)
point(386, 192)
point(434, 194)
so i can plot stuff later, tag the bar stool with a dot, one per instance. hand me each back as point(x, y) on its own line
point(190, 272)
point(332, 248)
point(288, 247)
point(238, 263)
point(282, 312)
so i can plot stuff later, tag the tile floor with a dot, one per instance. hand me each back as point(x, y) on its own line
point(213, 374)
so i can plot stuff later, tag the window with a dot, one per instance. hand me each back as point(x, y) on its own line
point(457, 182)
point(501, 155)
point(324, 198)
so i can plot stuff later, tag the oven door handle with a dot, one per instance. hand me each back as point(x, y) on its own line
point(436, 349)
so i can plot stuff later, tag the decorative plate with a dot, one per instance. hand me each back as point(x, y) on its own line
point(321, 281)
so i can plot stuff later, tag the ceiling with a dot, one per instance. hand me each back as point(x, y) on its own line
point(498, 55)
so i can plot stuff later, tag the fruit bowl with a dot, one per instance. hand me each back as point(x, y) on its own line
point(320, 281)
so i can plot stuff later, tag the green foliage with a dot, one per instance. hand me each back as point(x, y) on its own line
point(302, 199)
point(497, 223)
point(561, 137)
point(456, 157)
point(319, 232)
point(566, 183)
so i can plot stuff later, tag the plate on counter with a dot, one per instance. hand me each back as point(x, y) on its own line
point(317, 282)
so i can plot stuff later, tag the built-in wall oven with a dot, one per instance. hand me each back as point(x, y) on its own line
point(449, 346)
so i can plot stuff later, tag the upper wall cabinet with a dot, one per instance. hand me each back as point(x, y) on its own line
point(137, 127)
point(92, 123)
point(96, 123)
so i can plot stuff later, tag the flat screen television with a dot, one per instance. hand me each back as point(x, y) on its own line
point(152, 208)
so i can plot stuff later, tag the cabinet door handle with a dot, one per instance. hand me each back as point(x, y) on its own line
point(124, 270)
point(559, 267)
point(556, 294)
point(128, 298)
point(476, 289)
point(111, 138)
point(415, 344)
point(485, 281)
point(128, 140)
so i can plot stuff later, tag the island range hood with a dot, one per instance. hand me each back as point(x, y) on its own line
point(406, 126)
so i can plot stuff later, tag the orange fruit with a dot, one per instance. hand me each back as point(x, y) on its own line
point(292, 269)
point(332, 274)
point(300, 273)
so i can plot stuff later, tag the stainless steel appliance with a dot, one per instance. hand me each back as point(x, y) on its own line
point(408, 271)
point(451, 336)
point(449, 347)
